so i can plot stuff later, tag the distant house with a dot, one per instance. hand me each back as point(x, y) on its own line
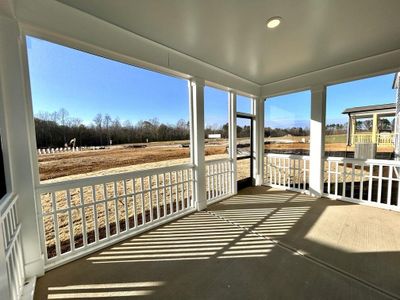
point(214, 136)
point(370, 115)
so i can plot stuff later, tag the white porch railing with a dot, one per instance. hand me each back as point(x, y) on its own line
point(287, 171)
point(219, 181)
point(81, 216)
point(373, 182)
point(10, 228)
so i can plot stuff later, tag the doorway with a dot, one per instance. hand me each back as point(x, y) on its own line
point(244, 150)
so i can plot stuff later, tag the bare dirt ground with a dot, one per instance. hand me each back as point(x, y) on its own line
point(70, 163)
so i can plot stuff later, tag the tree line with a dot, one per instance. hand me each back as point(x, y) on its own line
point(57, 129)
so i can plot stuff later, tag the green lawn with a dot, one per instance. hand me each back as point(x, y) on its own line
point(337, 138)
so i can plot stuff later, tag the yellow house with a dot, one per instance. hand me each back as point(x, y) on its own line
point(369, 116)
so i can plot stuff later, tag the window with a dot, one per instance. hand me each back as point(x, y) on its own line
point(287, 123)
point(95, 116)
point(244, 104)
point(216, 109)
point(361, 112)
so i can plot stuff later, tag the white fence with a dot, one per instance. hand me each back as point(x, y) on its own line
point(219, 174)
point(287, 171)
point(80, 216)
point(64, 149)
point(13, 257)
point(373, 182)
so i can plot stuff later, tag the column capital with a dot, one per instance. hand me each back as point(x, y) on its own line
point(318, 89)
point(196, 81)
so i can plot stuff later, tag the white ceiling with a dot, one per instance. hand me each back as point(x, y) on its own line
point(231, 34)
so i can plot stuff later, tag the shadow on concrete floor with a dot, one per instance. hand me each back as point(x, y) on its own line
point(249, 246)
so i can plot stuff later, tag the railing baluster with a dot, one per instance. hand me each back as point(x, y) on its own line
point(150, 192)
point(389, 191)
point(362, 166)
point(187, 188)
point(106, 211)
point(56, 226)
point(157, 196)
point(96, 227)
point(142, 200)
point(116, 203)
point(175, 192)
point(329, 178)
point(371, 168)
point(126, 205)
point(337, 179)
point(380, 184)
point(352, 181)
point(182, 190)
point(70, 222)
point(171, 205)
point(83, 214)
point(135, 219)
point(344, 179)
point(164, 195)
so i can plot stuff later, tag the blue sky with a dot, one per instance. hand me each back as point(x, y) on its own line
point(86, 84)
point(294, 109)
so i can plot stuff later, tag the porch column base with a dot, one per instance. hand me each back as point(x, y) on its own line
point(35, 268)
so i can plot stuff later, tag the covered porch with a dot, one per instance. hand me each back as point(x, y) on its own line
point(261, 243)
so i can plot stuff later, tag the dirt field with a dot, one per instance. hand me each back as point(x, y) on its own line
point(70, 163)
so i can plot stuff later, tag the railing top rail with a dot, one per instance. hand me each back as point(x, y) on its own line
point(48, 187)
point(305, 157)
point(6, 203)
point(363, 133)
point(364, 161)
point(213, 161)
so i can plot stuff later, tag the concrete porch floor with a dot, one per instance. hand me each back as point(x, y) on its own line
point(259, 244)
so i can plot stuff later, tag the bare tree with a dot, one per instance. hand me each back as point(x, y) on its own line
point(62, 116)
point(98, 121)
point(107, 123)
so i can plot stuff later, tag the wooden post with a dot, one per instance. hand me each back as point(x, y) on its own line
point(375, 128)
point(196, 89)
point(317, 140)
point(353, 129)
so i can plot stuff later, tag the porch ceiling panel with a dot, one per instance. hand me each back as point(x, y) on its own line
point(232, 35)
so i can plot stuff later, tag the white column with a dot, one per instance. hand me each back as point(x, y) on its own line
point(259, 141)
point(232, 140)
point(20, 144)
point(197, 141)
point(317, 140)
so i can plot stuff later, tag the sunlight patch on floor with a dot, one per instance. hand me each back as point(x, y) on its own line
point(104, 290)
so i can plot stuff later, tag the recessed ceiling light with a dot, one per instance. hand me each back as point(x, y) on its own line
point(274, 22)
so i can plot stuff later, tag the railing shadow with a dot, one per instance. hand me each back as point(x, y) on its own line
point(260, 244)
